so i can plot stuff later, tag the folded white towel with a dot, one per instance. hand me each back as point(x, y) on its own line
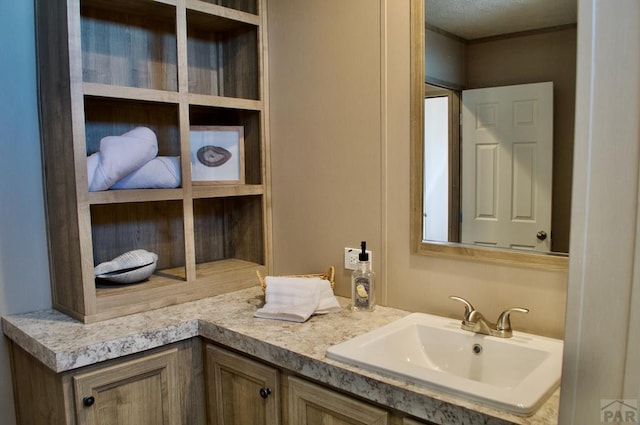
point(120, 156)
point(162, 172)
point(291, 313)
point(328, 302)
point(297, 298)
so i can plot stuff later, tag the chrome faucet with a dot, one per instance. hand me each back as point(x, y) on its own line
point(474, 321)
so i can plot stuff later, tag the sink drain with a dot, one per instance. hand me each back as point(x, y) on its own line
point(477, 348)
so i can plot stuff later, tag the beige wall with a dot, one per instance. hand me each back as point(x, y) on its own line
point(339, 90)
point(325, 132)
point(445, 64)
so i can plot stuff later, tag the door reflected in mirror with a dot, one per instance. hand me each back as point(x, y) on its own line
point(507, 149)
point(452, 53)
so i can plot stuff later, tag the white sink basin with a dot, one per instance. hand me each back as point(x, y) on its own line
point(515, 374)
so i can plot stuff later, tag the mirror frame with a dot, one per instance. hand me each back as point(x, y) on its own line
point(449, 249)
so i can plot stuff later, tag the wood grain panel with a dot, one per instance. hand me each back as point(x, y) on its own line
point(161, 290)
point(249, 6)
point(57, 107)
point(204, 56)
point(34, 381)
point(137, 392)
point(222, 57)
point(154, 226)
point(229, 228)
point(310, 404)
point(233, 395)
point(127, 49)
point(240, 57)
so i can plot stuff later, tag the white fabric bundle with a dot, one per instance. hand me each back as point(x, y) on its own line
point(297, 298)
point(119, 156)
point(161, 172)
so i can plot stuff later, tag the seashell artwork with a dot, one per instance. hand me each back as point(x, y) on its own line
point(130, 267)
point(216, 154)
point(213, 156)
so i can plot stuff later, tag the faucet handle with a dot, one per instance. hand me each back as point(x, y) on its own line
point(468, 308)
point(504, 321)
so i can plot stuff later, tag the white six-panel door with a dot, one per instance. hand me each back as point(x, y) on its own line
point(507, 153)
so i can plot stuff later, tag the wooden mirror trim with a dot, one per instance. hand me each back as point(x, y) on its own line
point(448, 249)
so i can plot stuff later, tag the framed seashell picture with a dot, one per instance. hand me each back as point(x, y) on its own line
point(217, 154)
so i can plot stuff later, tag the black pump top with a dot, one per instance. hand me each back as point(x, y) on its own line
point(363, 256)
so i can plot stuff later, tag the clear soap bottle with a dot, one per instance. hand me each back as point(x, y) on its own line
point(362, 283)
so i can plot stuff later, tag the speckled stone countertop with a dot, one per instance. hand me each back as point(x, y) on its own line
point(63, 344)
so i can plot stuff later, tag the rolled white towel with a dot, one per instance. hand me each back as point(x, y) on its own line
point(162, 172)
point(92, 165)
point(120, 156)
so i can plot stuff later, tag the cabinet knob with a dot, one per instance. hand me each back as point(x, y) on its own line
point(88, 401)
point(265, 392)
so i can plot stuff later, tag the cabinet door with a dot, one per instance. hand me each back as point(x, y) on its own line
point(240, 391)
point(143, 391)
point(310, 404)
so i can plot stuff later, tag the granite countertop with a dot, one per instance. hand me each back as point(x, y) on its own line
point(64, 344)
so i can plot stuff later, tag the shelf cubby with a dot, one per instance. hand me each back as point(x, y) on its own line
point(113, 117)
point(238, 226)
point(155, 226)
point(129, 44)
point(222, 56)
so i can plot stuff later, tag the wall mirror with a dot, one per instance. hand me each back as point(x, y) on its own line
point(459, 54)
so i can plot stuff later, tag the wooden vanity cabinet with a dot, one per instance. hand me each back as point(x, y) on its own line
point(106, 67)
point(159, 387)
point(143, 391)
point(311, 404)
point(240, 390)
point(192, 382)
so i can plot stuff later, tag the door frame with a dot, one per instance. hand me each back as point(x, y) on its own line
point(454, 155)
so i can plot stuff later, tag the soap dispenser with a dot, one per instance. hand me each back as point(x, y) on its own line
point(362, 283)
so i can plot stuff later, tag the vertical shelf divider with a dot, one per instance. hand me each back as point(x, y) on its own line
point(185, 165)
point(263, 61)
point(83, 210)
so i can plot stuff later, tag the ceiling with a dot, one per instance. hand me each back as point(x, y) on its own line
point(473, 19)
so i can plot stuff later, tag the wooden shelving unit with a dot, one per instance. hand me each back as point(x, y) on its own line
point(106, 67)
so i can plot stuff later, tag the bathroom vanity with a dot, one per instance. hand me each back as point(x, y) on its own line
point(209, 361)
point(183, 346)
